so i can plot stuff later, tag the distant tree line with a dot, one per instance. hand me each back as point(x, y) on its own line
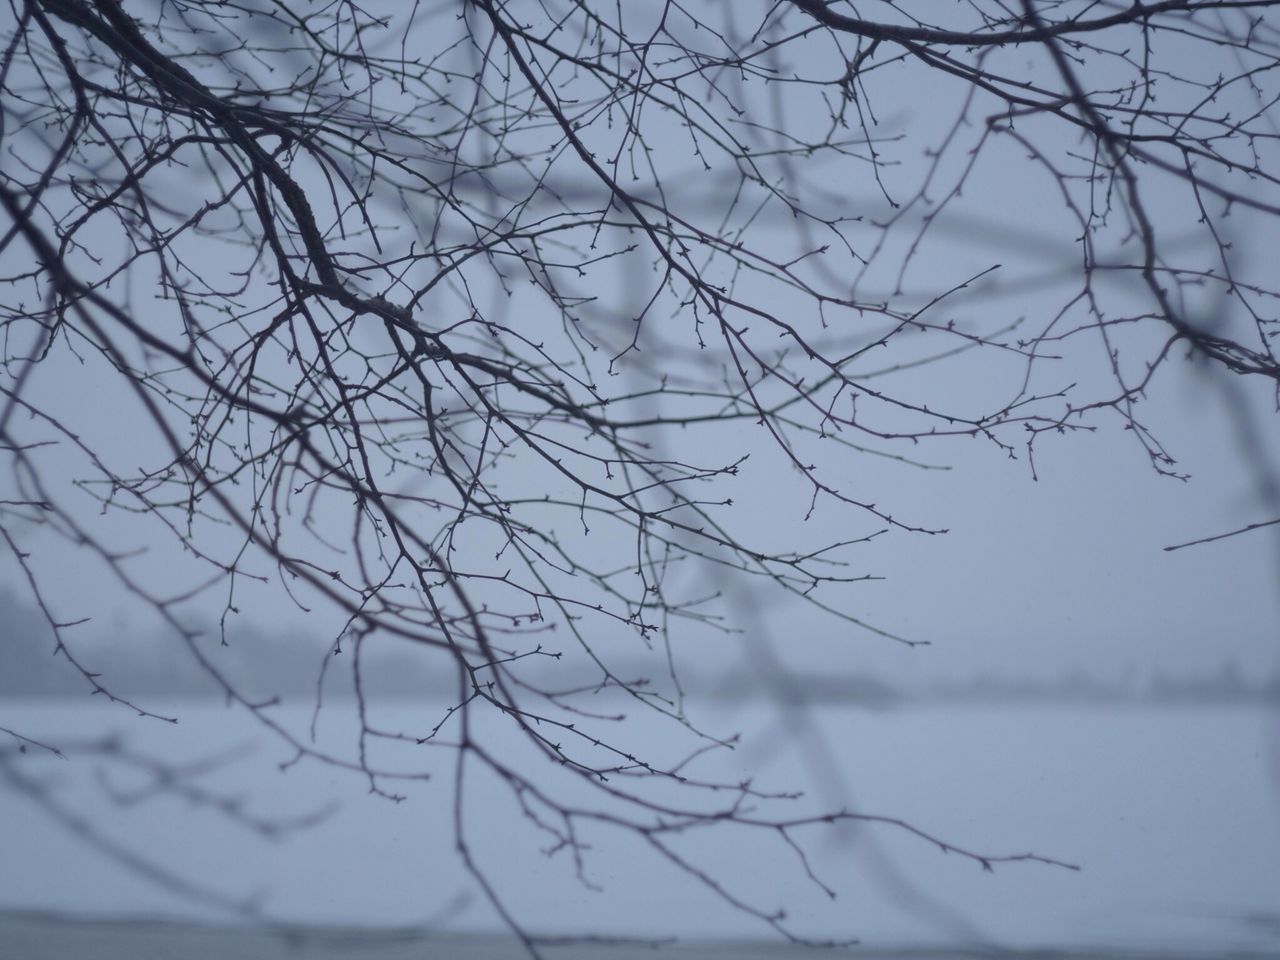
point(288, 665)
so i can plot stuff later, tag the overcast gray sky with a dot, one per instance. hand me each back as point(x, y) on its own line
point(1043, 572)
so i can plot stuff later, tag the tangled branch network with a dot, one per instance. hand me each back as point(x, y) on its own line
point(462, 325)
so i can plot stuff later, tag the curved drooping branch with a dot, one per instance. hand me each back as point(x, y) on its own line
point(471, 327)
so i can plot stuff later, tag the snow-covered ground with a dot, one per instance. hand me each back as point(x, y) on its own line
point(1172, 814)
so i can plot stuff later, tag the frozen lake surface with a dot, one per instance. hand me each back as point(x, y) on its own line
point(47, 937)
point(1172, 814)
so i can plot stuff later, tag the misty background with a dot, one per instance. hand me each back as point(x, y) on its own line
point(1079, 690)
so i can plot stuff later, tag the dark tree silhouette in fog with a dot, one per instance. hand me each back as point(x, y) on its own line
point(463, 324)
